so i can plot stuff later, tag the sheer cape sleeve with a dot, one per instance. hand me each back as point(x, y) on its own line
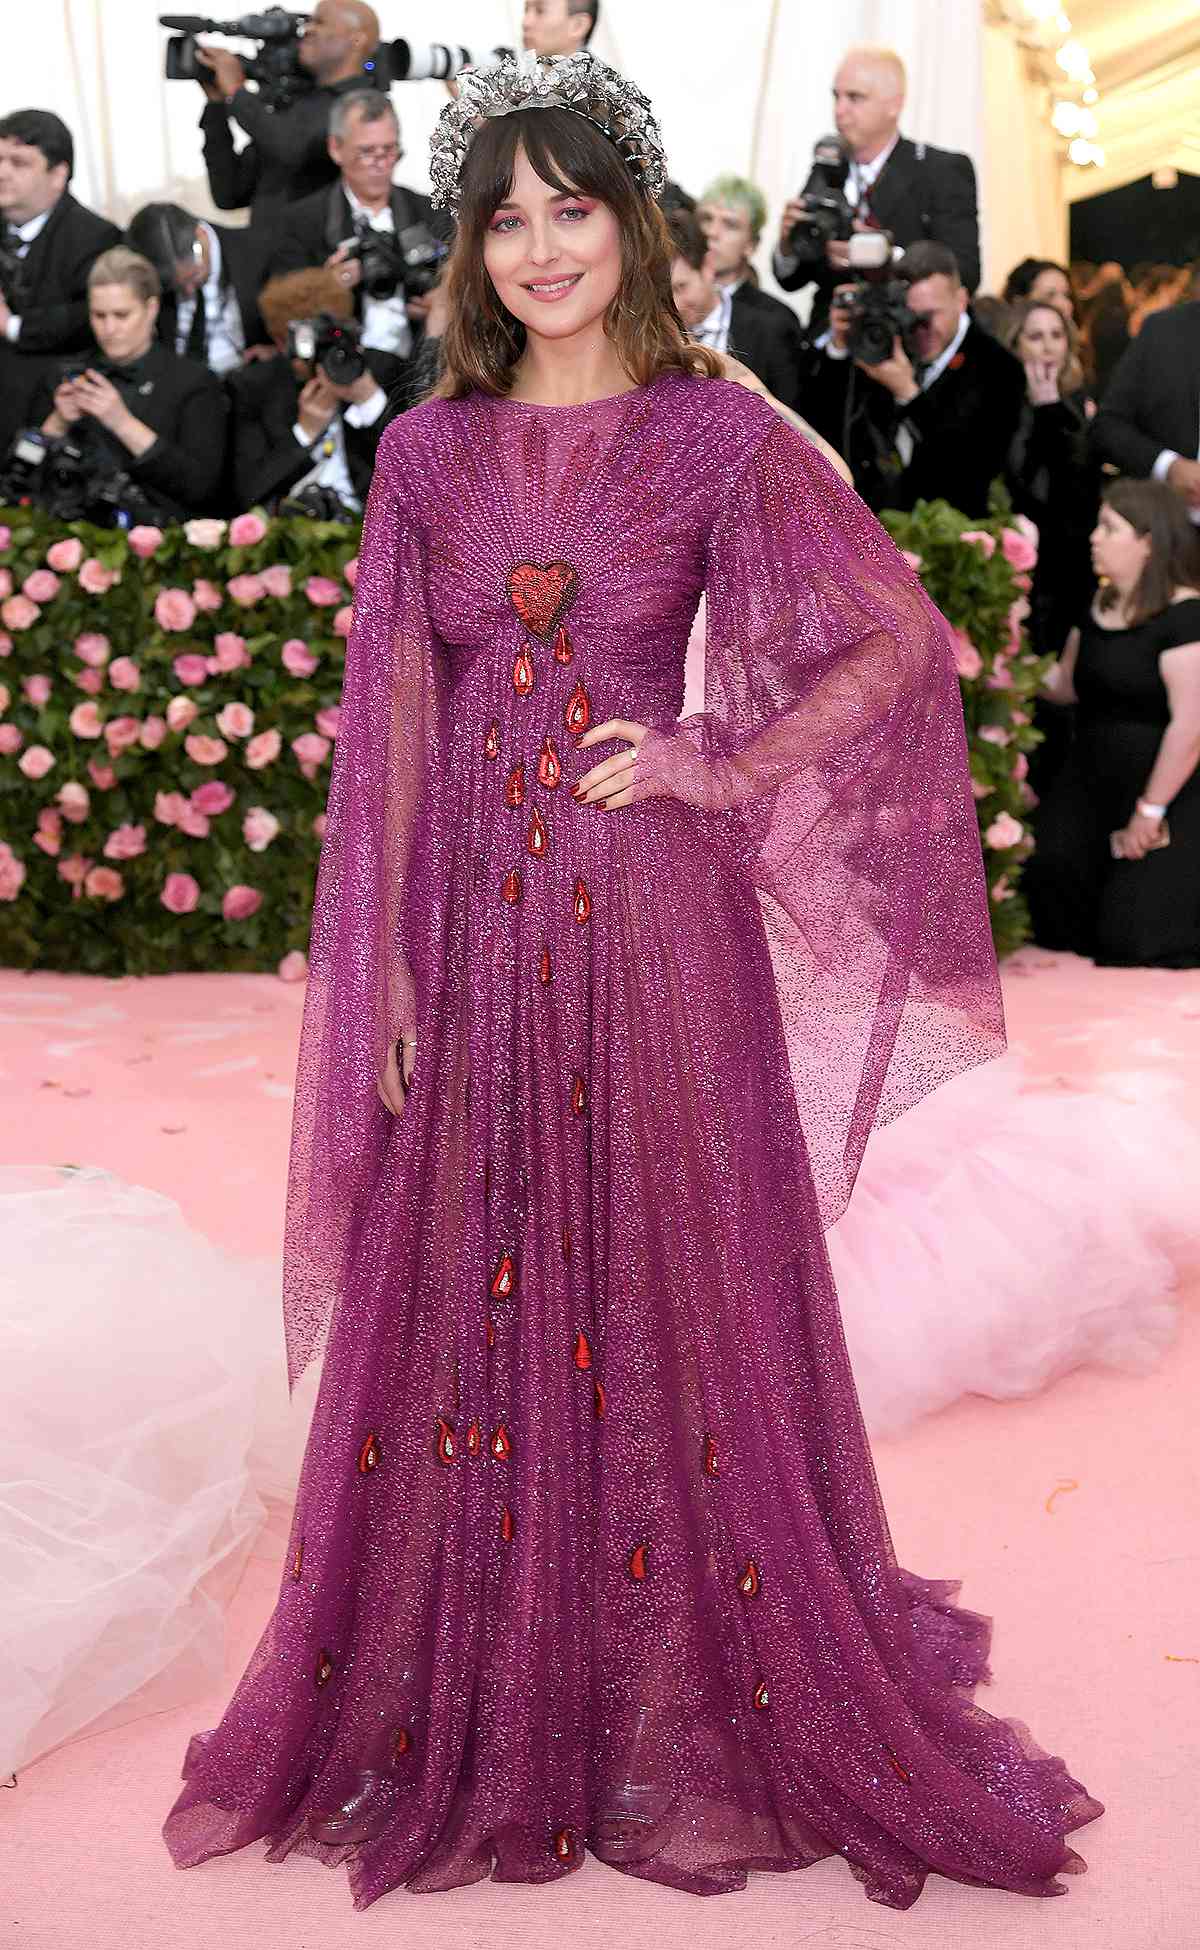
point(360, 993)
point(832, 752)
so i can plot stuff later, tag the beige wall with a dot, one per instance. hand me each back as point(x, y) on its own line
point(1021, 193)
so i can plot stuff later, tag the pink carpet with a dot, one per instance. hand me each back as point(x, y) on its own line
point(1072, 1518)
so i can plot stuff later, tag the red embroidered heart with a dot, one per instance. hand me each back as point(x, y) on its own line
point(542, 597)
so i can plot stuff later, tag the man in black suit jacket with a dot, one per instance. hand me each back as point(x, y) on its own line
point(1149, 418)
point(763, 332)
point(909, 189)
point(48, 244)
point(936, 429)
point(210, 275)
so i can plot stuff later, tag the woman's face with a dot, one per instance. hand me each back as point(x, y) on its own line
point(1119, 553)
point(1053, 287)
point(122, 323)
point(1043, 336)
point(555, 260)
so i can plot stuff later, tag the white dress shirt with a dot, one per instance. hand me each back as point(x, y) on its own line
point(225, 337)
point(905, 438)
point(386, 326)
point(714, 330)
point(332, 469)
point(1162, 468)
point(26, 234)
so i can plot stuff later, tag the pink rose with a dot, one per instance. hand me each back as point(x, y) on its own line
point(93, 648)
point(65, 556)
point(214, 796)
point(11, 740)
point(104, 884)
point(145, 541)
point(85, 721)
point(205, 594)
point(277, 580)
point(19, 613)
point(204, 533)
point(1020, 766)
point(154, 730)
point(12, 873)
point(49, 832)
point(240, 903)
point(36, 761)
point(293, 967)
point(169, 807)
point(246, 530)
point(203, 750)
point(5, 644)
point(1000, 676)
point(180, 894)
point(246, 590)
point(297, 658)
point(102, 776)
point(37, 689)
point(235, 721)
point(318, 826)
point(994, 734)
point(180, 713)
point(981, 791)
point(967, 659)
point(121, 733)
point(5, 538)
point(1019, 717)
point(1004, 831)
point(124, 675)
point(174, 609)
point(5, 583)
point(915, 562)
point(231, 651)
point(311, 750)
point(95, 579)
point(1002, 891)
point(985, 543)
point(125, 843)
point(75, 801)
point(264, 748)
point(351, 571)
point(322, 592)
point(74, 870)
point(91, 681)
point(190, 668)
point(6, 694)
point(259, 828)
point(41, 586)
point(327, 720)
point(343, 620)
point(1019, 551)
point(193, 822)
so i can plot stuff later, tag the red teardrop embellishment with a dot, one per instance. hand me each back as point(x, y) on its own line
point(578, 714)
point(537, 839)
point(514, 790)
point(501, 1444)
point(507, 1526)
point(298, 1560)
point(583, 902)
point(545, 968)
point(601, 1401)
point(402, 1744)
point(549, 765)
point(446, 1446)
point(564, 649)
point(491, 744)
point(474, 1440)
point(750, 1584)
point(504, 1279)
point(564, 1845)
point(566, 1242)
point(899, 1766)
point(761, 1697)
point(491, 1332)
point(542, 596)
point(710, 1457)
point(637, 1566)
point(523, 672)
point(324, 1671)
point(370, 1455)
point(583, 1352)
point(579, 1096)
point(510, 890)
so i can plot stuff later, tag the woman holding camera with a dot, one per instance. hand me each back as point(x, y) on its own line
point(1116, 873)
point(140, 410)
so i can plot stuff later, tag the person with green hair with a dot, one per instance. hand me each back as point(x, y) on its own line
point(733, 213)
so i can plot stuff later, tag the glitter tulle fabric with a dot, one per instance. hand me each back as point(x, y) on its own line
point(587, 1520)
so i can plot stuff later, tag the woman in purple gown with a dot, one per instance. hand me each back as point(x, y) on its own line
point(588, 1552)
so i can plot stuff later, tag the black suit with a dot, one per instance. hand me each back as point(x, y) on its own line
point(961, 428)
point(268, 460)
point(1152, 401)
point(241, 268)
point(286, 158)
point(921, 192)
point(49, 295)
point(310, 231)
point(185, 405)
point(766, 335)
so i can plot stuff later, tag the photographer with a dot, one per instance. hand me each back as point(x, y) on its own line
point(934, 417)
point(761, 330)
point(287, 157)
point(356, 229)
point(210, 277)
point(909, 189)
point(48, 243)
point(296, 428)
point(138, 414)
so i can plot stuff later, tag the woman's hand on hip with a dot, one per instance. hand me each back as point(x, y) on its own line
point(614, 781)
point(397, 1074)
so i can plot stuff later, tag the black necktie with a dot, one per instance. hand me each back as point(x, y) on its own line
point(197, 338)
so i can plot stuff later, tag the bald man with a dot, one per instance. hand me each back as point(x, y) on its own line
point(288, 156)
point(912, 190)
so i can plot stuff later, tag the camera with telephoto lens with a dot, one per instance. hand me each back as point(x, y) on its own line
point(411, 262)
point(276, 66)
point(318, 503)
point(332, 345)
point(879, 315)
point(74, 482)
point(828, 217)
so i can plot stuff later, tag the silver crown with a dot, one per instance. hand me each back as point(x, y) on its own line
point(575, 81)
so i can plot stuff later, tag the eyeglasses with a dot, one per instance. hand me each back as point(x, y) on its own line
point(381, 152)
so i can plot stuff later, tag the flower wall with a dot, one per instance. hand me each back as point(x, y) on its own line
point(169, 703)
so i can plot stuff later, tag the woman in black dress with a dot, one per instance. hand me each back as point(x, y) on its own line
point(1048, 473)
point(1116, 872)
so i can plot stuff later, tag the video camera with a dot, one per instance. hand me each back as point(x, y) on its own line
point(880, 314)
point(410, 262)
point(277, 69)
point(73, 482)
point(333, 345)
point(828, 217)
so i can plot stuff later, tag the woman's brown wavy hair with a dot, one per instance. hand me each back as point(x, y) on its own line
point(483, 341)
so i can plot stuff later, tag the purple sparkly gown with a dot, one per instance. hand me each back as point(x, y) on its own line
point(587, 1505)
